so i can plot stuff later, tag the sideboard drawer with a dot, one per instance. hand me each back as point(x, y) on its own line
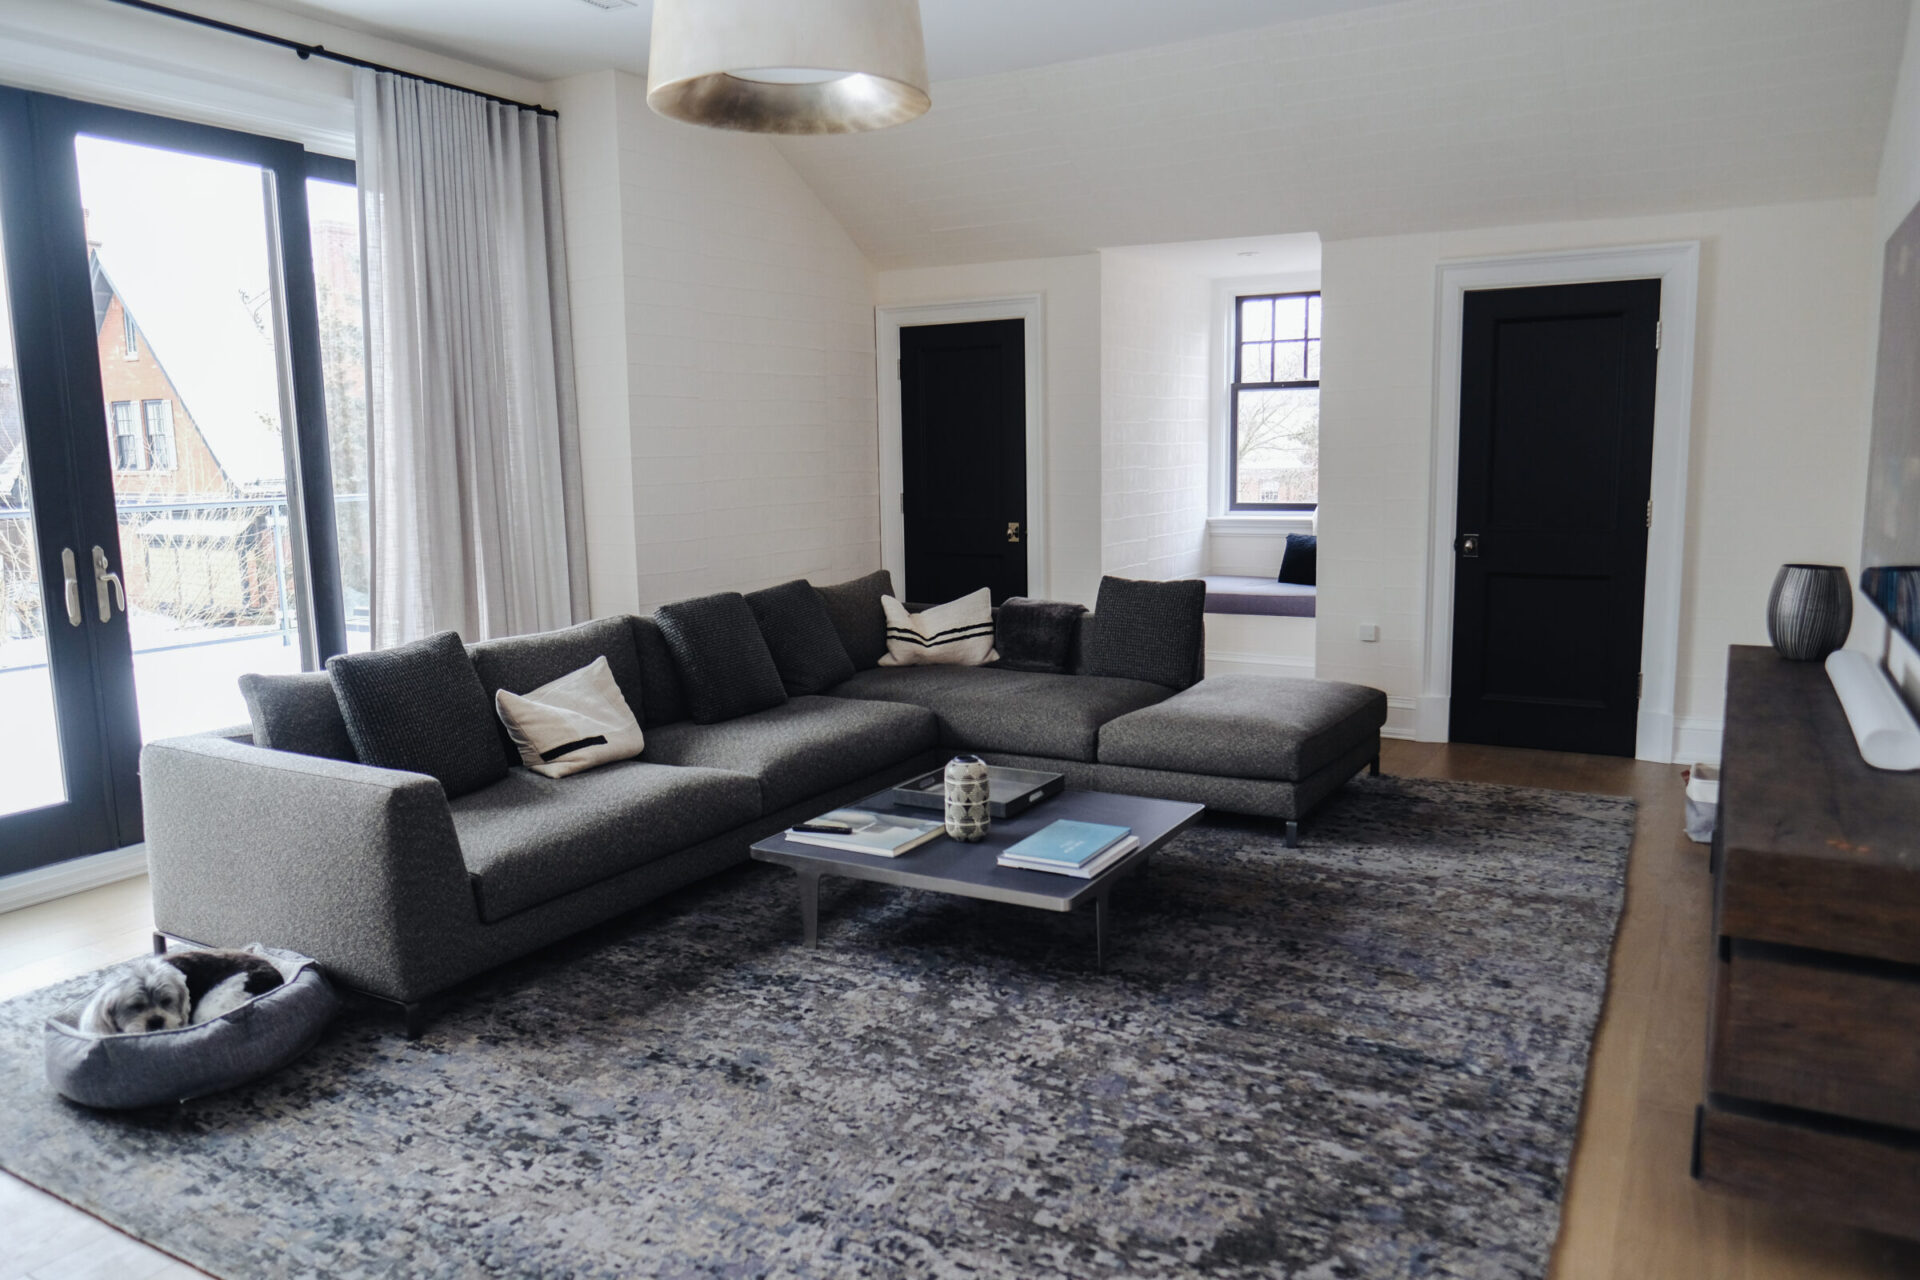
point(1800, 1031)
point(1850, 1177)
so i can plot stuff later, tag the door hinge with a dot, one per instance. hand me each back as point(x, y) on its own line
point(1649, 513)
point(1658, 326)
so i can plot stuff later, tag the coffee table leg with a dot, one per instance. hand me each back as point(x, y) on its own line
point(810, 907)
point(1100, 931)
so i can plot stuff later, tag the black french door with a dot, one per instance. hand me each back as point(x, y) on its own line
point(167, 504)
point(963, 446)
point(1550, 554)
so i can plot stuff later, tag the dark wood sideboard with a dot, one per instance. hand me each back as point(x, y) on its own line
point(1813, 1029)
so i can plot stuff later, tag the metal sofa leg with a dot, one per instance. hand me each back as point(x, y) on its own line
point(413, 1015)
point(1293, 835)
point(159, 944)
point(1373, 769)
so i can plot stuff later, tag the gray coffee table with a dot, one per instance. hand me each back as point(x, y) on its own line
point(945, 865)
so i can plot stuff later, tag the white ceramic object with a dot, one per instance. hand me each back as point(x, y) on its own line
point(1882, 725)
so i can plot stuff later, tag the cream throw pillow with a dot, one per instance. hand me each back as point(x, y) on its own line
point(574, 723)
point(958, 633)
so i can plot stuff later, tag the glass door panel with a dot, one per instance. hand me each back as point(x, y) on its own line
point(191, 345)
point(333, 213)
point(31, 776)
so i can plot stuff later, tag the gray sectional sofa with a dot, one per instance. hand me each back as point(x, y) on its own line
point(401, 892)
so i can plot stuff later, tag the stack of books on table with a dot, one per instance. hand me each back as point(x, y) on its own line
point(1069, 848)
point(864, 831)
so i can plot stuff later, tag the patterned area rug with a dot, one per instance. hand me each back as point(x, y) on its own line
point(1359, 1058)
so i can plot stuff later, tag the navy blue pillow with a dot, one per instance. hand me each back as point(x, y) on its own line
point(1297, 565)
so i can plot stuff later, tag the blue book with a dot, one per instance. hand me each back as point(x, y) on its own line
point(1067, 843)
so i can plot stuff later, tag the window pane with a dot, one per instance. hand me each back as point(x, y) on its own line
point(1256, 362)
point(1289, 361)
point(1256, 319)
point(1313, 361)
point(204, 545)
point(1277, 446)
point(1313, 316)
point(1290, 317)
point(334, 213)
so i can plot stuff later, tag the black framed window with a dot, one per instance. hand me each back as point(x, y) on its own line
point(1275, 402)
point(126, 437)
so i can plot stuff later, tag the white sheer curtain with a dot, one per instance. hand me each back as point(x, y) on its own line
point(474, 434)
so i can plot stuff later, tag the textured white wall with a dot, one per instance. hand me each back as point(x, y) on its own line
point(744, 323)
point(1155, 325)
point(1070, 289)
point(1779, 433)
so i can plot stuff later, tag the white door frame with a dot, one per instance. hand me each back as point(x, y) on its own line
point(888, 321)
point(1677, 267)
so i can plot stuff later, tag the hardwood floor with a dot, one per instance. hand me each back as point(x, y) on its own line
point(1632, 1212)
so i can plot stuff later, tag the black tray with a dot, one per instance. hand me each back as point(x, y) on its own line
point(1010, 792)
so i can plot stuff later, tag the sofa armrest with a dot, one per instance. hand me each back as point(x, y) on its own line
point(355, 866)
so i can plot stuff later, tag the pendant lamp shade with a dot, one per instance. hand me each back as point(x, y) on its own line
point(782, 66)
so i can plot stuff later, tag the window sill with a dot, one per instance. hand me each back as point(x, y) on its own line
point(1246, 524)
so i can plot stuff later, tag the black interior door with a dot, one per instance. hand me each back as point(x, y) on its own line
point(1550, 554)
point(963, 424)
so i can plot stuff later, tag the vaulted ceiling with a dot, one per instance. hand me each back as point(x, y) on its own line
point(1064, 125)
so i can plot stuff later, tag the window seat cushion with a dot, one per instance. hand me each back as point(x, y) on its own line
point(1229, 594)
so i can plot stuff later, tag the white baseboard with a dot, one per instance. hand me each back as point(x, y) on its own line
point(44, 884)
point(1696, 739)
point(1273, 664)
point(1403, 714)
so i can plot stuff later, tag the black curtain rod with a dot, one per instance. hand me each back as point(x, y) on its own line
point(306, 51)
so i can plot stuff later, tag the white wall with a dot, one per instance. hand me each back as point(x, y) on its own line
point(744, 324)
point(1070, 291)
point(1779, 432)
point(1899, 191)
point(1155, 326)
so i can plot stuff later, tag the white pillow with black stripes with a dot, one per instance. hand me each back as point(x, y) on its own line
point(956, 634)
point(573, 723)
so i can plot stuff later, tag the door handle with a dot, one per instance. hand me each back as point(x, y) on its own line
point(1013, 531)
point(103, 579)
point(1468, 545)
point(73, 586)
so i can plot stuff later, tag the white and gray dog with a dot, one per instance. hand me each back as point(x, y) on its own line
point(181, 988)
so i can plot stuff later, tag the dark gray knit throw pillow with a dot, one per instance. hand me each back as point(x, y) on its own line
point(799, 633)
point(724, 662)
point(1152, 631)
point(855, 609)
point(1036, 635)
point(297, 713)
point(420, 707)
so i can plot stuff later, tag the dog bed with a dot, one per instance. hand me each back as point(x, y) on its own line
point(144, 1069)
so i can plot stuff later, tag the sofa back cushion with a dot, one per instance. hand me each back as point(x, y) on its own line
point(297, 713)
point(800, 635)
point(420, 707)
point(662, 699)
point(855, 609)
point(723, 660)
point(521, 664)
point(1153, 631)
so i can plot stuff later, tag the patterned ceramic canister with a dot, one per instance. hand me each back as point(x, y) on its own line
point(967, 792)
point(1809, 611)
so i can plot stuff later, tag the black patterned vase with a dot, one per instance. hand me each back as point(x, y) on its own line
point(1809, 611)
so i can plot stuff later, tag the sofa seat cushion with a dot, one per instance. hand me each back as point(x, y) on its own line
point(993, 709)
point(800, 748)
point(529, 839)
point(1247, 726)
